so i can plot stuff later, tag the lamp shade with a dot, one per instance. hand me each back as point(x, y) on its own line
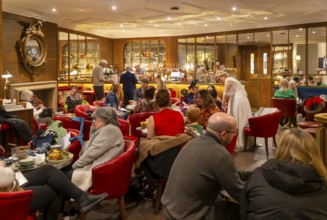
point(298, 57)
point(6, 75)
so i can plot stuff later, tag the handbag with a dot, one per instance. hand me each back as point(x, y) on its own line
point(47, 112)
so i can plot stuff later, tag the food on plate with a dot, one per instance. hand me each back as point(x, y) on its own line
point(57, 155)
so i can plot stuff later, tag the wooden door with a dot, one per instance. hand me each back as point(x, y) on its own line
point(256, 69)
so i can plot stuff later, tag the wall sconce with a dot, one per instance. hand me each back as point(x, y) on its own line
point(6, 76)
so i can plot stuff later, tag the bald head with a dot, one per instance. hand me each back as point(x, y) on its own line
point(221, 121)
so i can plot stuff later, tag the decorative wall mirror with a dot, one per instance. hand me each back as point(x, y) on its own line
point(32, 48)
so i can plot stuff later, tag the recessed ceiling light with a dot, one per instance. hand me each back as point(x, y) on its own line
point(313, 32)
point(265, 18)
point(168, 18)
point(218, 18)
point(206, 25)
point(234, 8)
point(121, 25)
point(54, 10)
point(268, 35)
point(123, 30)
point(300, 29)
point(297, 35)
point(114, 8)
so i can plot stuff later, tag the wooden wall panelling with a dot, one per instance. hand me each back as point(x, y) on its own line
point(1, 55)
point(12, 28)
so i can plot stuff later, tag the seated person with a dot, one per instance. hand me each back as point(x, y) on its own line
point(212, 90)
point(292, 186)
point(28, 97)
point(140, 91)
point(318, 80)
point(112, 99)
point(146, 104)
point(47, 184)
point(207, 106)
point(292, 86)
point(190, 99)
point(284, 91)
point(74, 98)
point(106, 142)
point(193, 116)
point(202, 168)
point(166, 121)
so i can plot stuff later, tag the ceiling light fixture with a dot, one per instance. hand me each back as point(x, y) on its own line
point(168, 18)
point(175, 9)
point(265, 18)
point(54, 10)
point(234, 8)
point(218, 18)
point(206, 25)
point(114, 8)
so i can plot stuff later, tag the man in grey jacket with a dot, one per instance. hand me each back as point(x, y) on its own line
point(202, 168)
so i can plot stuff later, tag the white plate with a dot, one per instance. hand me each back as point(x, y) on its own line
point(65, 160)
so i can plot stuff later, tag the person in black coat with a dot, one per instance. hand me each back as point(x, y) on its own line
point(129, 81)
point(292, 186)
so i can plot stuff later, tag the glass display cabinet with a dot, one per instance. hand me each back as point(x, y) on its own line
point(78, 55)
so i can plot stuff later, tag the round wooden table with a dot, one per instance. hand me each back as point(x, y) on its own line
point(321, 135)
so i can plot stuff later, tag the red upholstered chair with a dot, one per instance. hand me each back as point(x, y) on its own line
point(172, 92)
point(135, 120)
point(175, 101)
point(75, 146)
point(15, 205)
point(287, 107)
point(98, 103)
point(89, 96)
point(114, 176)
point(231, 146)
point(80, 110)
point(264, 126)
point(124, 126)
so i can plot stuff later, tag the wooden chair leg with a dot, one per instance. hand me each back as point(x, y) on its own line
point(255, 142)
point(275, 143)
point(121, 202)
point(266, 145)
point(245, 142)
point(82, 216)
point(157, 202)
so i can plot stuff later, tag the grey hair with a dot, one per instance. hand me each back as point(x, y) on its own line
point(103, 62)
point(107, 114)
point(128, 68)
point(26, 95)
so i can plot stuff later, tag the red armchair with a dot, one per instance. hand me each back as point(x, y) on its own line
point(114, 176)
point(124, 126)
point(75, 146)
point(264, 126)
point(135, 120)
point(287, 107)
point(98, 103)
point(80, 110)
point(15, 205)
point(175, 101)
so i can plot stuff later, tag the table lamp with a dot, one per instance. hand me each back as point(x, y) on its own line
point(6, 76)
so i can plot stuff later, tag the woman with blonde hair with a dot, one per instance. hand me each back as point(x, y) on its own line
point(284, 91)
point(292, 186)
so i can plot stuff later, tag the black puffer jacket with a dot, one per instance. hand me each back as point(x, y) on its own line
point(284, 190)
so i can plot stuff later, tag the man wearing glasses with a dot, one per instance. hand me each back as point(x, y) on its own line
point(202, 168)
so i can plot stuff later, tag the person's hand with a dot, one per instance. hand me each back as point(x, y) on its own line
point(42, 107)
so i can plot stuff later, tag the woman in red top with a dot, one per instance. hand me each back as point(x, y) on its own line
point(166, 121)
